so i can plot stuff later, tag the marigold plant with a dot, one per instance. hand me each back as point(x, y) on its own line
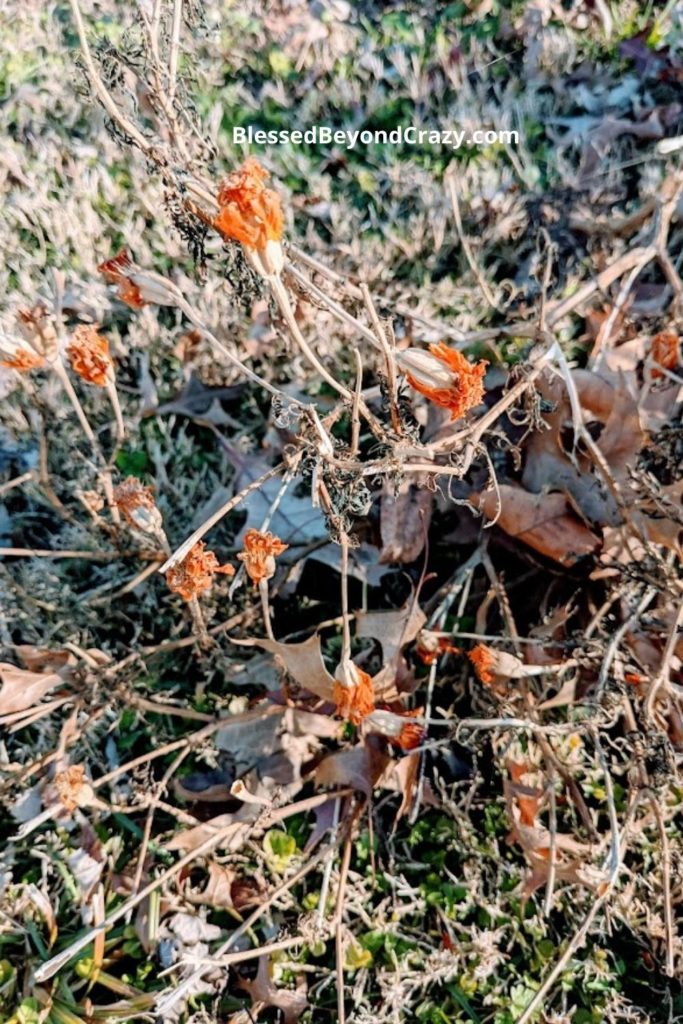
point(194, 575)
point(260, 552)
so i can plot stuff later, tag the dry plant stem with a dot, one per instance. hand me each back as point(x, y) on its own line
point(118, 414)
point(469, 256)
point(339, 925)
point(662, 677)
point(611, 652)
point(578, 939)
point(63, 377)
point(238, 958)
point(346, 618)
point(175, 48)
point(389, 361)
point(445, 330)
point(54, 964)
point(606, 328)
point(229, 505)
point(198, 623)
point(165, 1004)
point(17, 482)
point(265, 605)
point(341, 314)
point(355, 413)
point(147, 831)
point(667, 900)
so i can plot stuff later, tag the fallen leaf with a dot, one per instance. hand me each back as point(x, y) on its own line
point(303, 661)
point(404, 520)
point(22, 689)
point(264, 994)
point(359, 767)
point(542, 521)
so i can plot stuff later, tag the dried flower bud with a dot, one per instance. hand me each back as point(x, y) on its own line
point(15, 357)
point(429, 646)
point(494, 666)
point(88, 353)
point(251, 214)
point(353, 692)
point(194, 575)
point(260, 551)
point(137, 287)
point(72, 788)
point(135, 502)
point(445, 377)
point(401, 729)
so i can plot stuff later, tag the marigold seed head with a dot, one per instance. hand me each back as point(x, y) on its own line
point(88, 353)
point(117, 271)
point(135, 502)
point(260, 551)
point(430, 646)
point(353, 693)
point(445, 377)
point(400, 728)
point(252, 214)
point(20, 359)
point(194, 575)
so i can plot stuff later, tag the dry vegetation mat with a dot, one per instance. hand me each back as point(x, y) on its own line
point(340, 514)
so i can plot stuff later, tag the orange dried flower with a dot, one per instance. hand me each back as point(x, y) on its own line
point(22, 360)
point(445, 377)
point(194, 575)
point(117, 271)
point(353, 693)
point(665, 350)
point(134, 500)
point(88, 352)
point(70, 784)
point(483, 659)
point(250, 213)
point(431, 645)
point(260, 550)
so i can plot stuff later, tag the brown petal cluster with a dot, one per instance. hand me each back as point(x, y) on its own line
point(89, 355)
point(194, 575)
point(445, 377)
point(353, 693)
point(260, 551)
point(135, 502)
point(250, 213)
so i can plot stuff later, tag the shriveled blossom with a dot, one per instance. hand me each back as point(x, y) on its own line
point(260, 551)
point(15, 357)
point(194, 575)
point(353, 693)
point(400, 728)
point(89, 355)
point(494, 666)
point(430, 646)
point(665, 350)
point(135, 286)
point(252, 214)
point(38, 329)
point(72, 787)
point(135, 502)
point(444, 376)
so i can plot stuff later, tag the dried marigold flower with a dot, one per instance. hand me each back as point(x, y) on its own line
point(260, 551)
point(252, 214)
point(135, 502)
point(16, 358)
point(482, 657)
point(353, 693)
point(37, 327)
point(665, 350)
point(429, 646)
point(400, 728)
point(494, 666)
point(445, 377)
point(88, 353)
point(194, 575)
point(135, 286)
point(71, 787)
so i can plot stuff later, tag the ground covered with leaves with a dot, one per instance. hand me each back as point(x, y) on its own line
point(340, 515)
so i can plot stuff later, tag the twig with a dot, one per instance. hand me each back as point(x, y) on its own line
point(481, 280)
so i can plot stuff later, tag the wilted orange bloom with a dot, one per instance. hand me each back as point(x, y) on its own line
point(20, 359)
point(117, 271)
point(250, 213)
point(70, 785)
point(353, 693)
point(398, 727)
point(445, 377)
point(430, 646)
point(527, 798)
point(194, 575)
point(260, 550)
point(665, 350)
point(88, 352)
point(134, 500)
point(482, 657)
